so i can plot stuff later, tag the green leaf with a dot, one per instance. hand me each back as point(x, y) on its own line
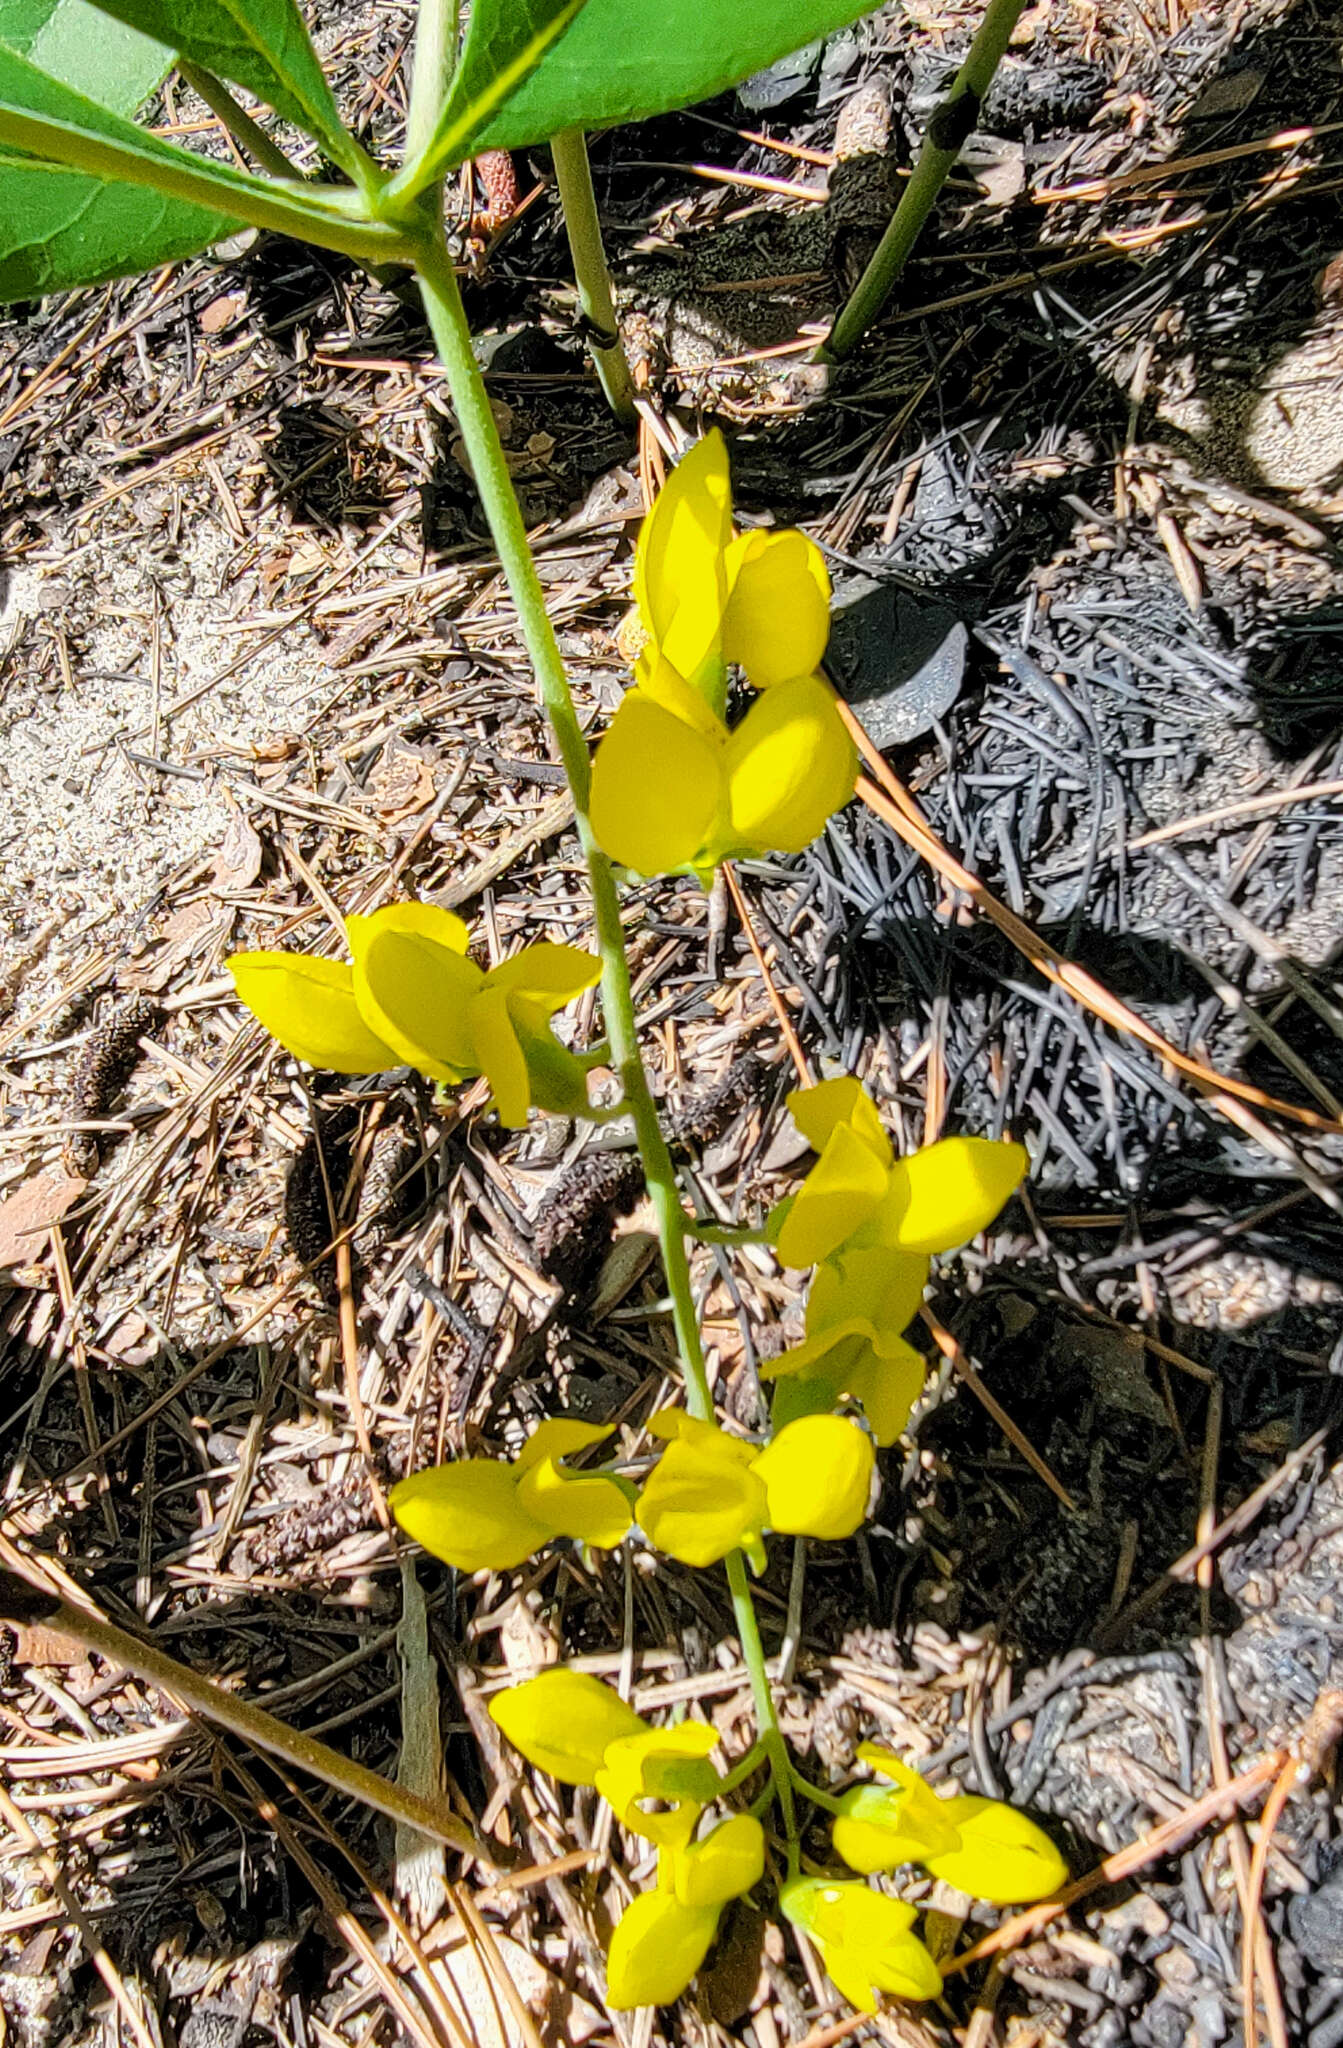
point(505, 41)
point(110, 62)
point(57, 227)
point(261, 45)
point(626, 59)
point(75, 216)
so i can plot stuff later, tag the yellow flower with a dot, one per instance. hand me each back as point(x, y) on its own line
point(857, 1307)
point(489, 1513)
point(672, 788)
point(664, 1935)
point(659, 1781)
point(564, 1722)
point(702, 1499)
point(864, 1939)
point(859, 1195)
point(982, 1846)
point(710, 1493)
point(669, 793)
point(412, 997)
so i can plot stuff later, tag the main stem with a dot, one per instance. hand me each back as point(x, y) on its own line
point(578, 202)
point(447, 321)
point(452, 337)
point(952, 123)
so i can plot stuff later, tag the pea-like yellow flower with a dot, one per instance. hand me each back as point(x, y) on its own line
point(982, 1846)
point(410, 996)
point(702, 1498)
point(493, 1513)
point(858, 1305)
point(672, 787)
point(663, 1936)
point(711, 1493)
point(864, 1939)
point(658, 1782)
point(860, 1195)
point(564, 1722)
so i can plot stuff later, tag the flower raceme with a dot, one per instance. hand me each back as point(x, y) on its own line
point(410, 996)
point(492, 1513)
point(672, 787)
point(658, 1782)
point(982, 1846)
point(869, 1222)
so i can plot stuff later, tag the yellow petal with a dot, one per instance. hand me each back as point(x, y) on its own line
point(546, 974)
point(869, 1833)
point(658, 1782)
point(587, 1506)
point(883, 1287)
point(790, 765)
point(674, 1425)
point(728, 1862)
point(420, 920)
point(886, 1386)
point(817, 1475)
point(414, 988)
point(468, 1514)
point(842, 1190)
point(658, 786)
point(564, 1722)
point(657, 1947)
point(498, 1053)
point(913, 1802)
point(556, 1437)
point(680, 575)
point(656, 679)
point(698, 1504)
point(945, 1194)
point(309, 1006)
point(844, 1100)
point(777, 620)
point(1000, 1855)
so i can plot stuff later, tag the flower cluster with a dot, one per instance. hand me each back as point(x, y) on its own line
point(868, 1222)
point(672, 787)
point(709, 1493)
point(658, 1782)
point(410, 996)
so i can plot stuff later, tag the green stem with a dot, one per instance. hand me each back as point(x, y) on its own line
point(237, 120)
point(952, 123)
point(432, 66)
point(601, 328)
point(452, 337)
point(766, 1718)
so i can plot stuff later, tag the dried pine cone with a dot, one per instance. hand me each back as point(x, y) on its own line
point(109, 1059)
